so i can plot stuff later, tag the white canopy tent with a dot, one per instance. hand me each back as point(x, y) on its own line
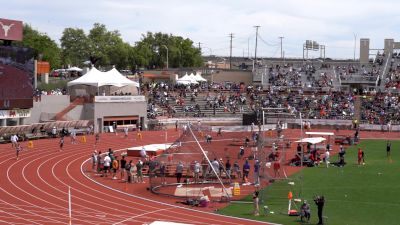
point(107, 81)
point(192, 76)
point(187, 79)
point(74, 68)
point(199, 78)
point(97, 78)
point(119, 79)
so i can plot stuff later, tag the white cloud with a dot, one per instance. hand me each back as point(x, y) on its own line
point(330, 22)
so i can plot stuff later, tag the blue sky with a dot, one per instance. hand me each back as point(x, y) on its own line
point(330, 22)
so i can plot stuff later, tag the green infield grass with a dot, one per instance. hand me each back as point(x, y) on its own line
point(354, 195)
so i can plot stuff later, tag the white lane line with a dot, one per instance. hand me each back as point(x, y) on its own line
point(58, 189)
point(62, 215)
point(15, 197)
point(143, 214)
point(112, 196)
point(175, 206)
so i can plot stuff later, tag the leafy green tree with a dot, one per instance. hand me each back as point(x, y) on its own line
point(150, 51)
point(45, 48)
point(74, 47)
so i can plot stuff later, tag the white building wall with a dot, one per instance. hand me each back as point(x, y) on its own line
point(49, 104)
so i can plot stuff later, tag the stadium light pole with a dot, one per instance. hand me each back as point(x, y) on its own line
point(255, 50)
point(167, 55)
point(355, 45)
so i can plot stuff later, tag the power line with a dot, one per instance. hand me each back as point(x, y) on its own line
point(267, 43)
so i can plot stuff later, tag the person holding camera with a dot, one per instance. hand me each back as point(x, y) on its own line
point(320, 201)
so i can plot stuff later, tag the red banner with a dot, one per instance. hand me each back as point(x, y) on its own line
point(11, 30)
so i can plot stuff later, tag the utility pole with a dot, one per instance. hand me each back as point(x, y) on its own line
point(255, 50)
point(281, 47)
point(248, 47)
point(200, 45)
point(230, 54)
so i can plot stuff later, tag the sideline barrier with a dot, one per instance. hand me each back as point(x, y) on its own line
point(30, 144)
point(236, 189)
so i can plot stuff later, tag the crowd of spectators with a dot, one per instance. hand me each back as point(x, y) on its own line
point(284, 76)
point(194, 99)
point(392, 80)
point(37, 94)
point(331, 105)
point(381, 108)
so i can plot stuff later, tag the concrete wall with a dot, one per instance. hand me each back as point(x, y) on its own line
point(81, 112)
point(49, 104)
point(388, 46)
point(236, 76)
point(364, 50)
point(118, 109)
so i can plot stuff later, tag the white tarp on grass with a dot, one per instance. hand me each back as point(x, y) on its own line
point(313, 141)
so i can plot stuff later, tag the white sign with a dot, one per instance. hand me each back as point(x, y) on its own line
point(17, 113)
point(137, 98)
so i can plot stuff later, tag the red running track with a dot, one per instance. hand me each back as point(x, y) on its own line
point(34, 189)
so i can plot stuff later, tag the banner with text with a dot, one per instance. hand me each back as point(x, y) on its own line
point(138, 98)
point(17, 113)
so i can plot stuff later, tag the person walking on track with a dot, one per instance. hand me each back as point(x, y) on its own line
point(18, 149)
point(61, 143)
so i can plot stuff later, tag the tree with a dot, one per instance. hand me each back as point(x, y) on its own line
point(150, 51)
point(45, 48)
point(74, 47)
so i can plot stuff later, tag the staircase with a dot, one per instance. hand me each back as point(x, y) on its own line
point(209, 112)
point(71, 106)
